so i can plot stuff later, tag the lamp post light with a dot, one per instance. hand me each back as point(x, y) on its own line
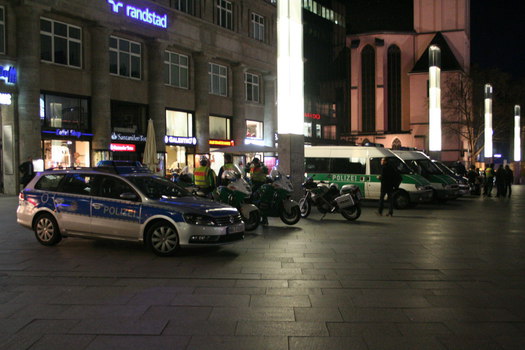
point(517, 134)
point(488, 122)
point(434, 103)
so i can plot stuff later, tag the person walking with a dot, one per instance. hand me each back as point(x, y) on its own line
point(509, 179)
point(390, 180)
point(27, 170)
point(204, 177)
point(500, 181)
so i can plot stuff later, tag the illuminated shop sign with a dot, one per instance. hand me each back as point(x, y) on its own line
point(140, 14)
point(5, 99)
point(313, 116)
point(122, 147)
point(121, 137)
point(8, 74)
point(67, 133)
point(225, 143)
point(179, 140)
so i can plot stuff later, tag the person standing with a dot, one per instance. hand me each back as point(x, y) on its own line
point(204, 177)
point(509, 179)
point(500, 182)
point(228, 165)
point(489, 180)
point(473, 180)
point(27, 170)
point(258, 174)
point(390, 179)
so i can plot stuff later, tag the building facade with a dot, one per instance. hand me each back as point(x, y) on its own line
point(90, 74)
point(389, 77)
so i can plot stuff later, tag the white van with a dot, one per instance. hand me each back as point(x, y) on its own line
point(445, 187)
point(361, 166)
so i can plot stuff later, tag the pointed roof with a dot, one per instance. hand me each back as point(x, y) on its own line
point(449, 61)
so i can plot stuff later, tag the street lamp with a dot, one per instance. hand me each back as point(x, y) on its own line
point(517, 132)
point(434, 96)
point(488, 121)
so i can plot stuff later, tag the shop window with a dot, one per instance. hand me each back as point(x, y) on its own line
point(60, 43)
point(176, 69)
point(394, 88)
point(257, 31)
point(125, 57)
point(329, 132)
point(2, 29)
point(66, 153)
point(63, 112)
point(224, 14)
point(254, 129)
point(186, 6)
point(218, 79)
point(318, 131)
point(179, 123)
point(129, 118)
point(308, 129)
point(219, 128)
point(368, 94)
point(251, 83)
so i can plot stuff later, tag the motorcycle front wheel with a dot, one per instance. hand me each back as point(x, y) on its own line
point(352, 213)
point(305, 206)
point(291, 218)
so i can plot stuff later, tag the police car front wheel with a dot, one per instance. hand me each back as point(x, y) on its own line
point(162, 238)
point(46, 230)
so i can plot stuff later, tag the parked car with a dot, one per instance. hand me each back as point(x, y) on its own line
point(141, 207)
point(463, 184)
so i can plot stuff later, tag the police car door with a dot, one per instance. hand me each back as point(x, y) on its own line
point(114, 213)
point(73, 203)
point(373, 190)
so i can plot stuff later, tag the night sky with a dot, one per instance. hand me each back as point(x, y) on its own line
point(497, 28)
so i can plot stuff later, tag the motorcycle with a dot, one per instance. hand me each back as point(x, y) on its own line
point(273, 199)
point(329, 199)
point(236, 194)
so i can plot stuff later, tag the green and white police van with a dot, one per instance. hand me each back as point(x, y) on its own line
point(361, 166)
point(445, 187)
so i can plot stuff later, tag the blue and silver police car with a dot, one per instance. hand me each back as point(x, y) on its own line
point(142, 207)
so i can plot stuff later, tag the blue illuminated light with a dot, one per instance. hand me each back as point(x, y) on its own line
point(8, 74)
point(143, 15)
point(66, 132)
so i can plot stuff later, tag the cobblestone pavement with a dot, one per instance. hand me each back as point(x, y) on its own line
point(442, 276)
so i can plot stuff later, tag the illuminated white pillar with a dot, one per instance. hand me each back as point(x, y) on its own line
point(290, 98)
point(517, 134)
point(434, 98)
point(488, 121)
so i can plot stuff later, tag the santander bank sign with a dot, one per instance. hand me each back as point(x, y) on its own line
point(144, 15)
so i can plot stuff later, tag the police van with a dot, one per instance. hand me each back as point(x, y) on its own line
point(137, 206)
point(445, 187)
point(361, 166)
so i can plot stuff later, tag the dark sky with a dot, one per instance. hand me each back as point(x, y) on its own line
point(497, 28)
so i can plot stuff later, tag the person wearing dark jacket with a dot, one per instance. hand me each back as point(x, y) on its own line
point(500, 182)
point(27, 170)
point(509, 179)
point(390, 180)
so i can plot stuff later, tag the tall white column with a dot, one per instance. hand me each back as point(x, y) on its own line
point(488, 121)
point(434, 99)
point(517, 133)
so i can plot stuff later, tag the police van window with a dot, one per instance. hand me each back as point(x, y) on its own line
point(111, 187)
point(49, 182)
point(347, 166)
point(77, 184)
point(316, 165)
point(375, 165)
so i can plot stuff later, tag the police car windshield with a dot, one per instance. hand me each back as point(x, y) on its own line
point(399, 165)
point(427, 167)
point(155, 187)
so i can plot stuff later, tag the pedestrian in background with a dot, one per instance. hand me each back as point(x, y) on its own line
point(390, 180)
point(509, 179)
point(204, 177)
point(489, 180)
point(27, 170)
point(500, 181)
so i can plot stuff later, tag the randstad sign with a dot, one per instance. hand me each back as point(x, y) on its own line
point(140, 14)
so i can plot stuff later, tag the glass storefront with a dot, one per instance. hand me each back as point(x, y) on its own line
point(65, 153)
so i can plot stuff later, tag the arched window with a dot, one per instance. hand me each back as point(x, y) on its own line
point(394, 88)
point(396, 144)
point(368, 90)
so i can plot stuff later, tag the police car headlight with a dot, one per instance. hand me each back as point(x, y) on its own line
point(196, 219)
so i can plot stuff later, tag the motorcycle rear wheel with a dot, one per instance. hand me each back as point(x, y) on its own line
point(305, 206)
point(291, 218)
point(352, 213)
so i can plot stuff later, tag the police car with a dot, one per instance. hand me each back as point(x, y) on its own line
point(142, 207)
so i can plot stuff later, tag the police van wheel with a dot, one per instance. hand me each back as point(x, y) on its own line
point(46, 230)
point(162, 239)
point(401, 200)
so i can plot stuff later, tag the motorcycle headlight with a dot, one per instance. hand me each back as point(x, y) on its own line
point(196, 219)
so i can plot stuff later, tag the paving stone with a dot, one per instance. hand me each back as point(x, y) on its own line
point(280, 300)
point(238, 343)
point(119, 327)
point(63, 342)
point(183, 326)
point(166, 313)
point(324, 343)
point(265, 328)
point(133, 342)
point(316, 314)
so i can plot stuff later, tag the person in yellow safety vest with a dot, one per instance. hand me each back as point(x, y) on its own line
point(228, 165)
point(204, 177)
point(258, 174)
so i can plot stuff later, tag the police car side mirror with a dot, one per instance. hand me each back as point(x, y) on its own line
point(130, 196)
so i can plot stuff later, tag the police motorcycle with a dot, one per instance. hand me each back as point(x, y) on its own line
point(274, 199)
point(329, 199)
point(236, 193)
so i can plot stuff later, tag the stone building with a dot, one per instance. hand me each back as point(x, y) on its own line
point(89, 74)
